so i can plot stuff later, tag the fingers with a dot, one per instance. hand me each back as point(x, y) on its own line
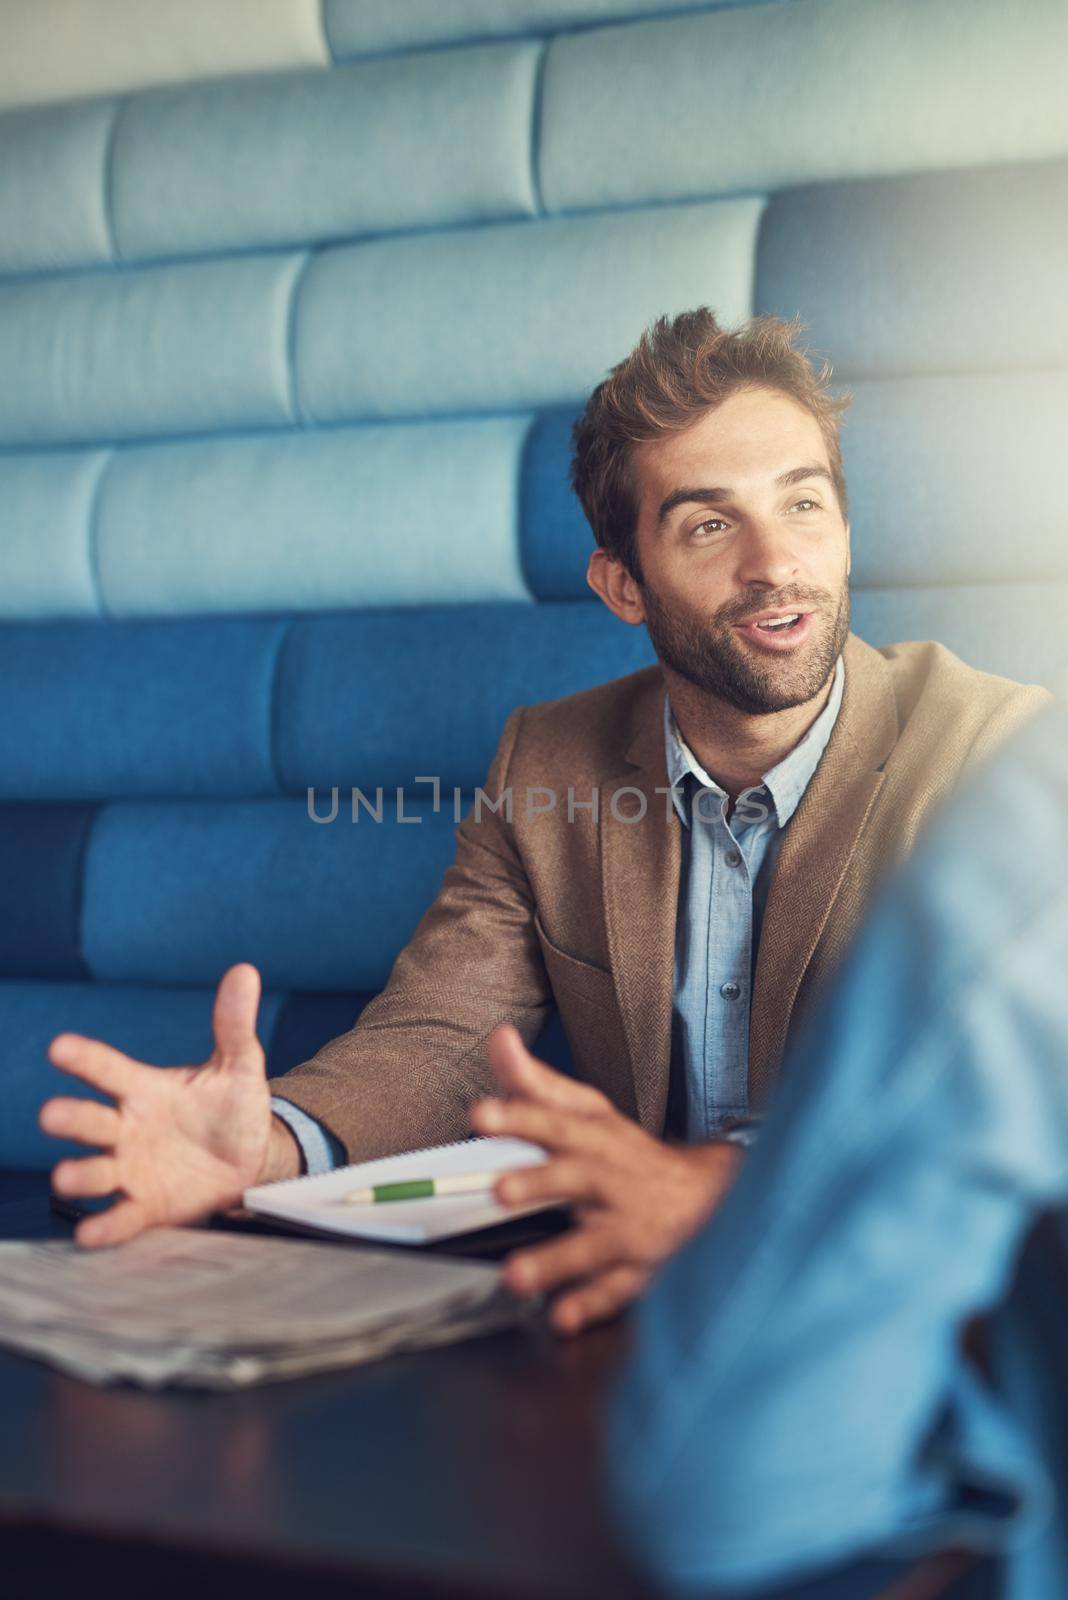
point(519, 1072)
point(578, 1254)
point(563, 1179)
point(94, 1175)
point(604, 1296)
point(233, 1018)
point(83, 1120)
point(94, 1062)
point(555, 1130)
point(122, 1221)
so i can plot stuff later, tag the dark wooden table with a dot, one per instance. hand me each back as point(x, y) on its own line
point(465, 1471)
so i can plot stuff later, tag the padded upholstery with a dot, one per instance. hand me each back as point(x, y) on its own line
point(845, 255)
point(557, 302)
point(955, 479)
point(188, 888)
point(175, 349)
point(365, 27)
point(265, 706)
point(298, 302)
point(346, 517)
point(64, 49)
point(413, 142)
point(818, 90)
point(1015, 629)
point(98, 710)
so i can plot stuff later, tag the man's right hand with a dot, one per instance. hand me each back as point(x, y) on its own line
point(178, 1142)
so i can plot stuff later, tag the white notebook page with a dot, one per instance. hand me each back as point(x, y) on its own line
point(314, 1201)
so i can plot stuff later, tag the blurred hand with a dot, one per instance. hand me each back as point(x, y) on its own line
point(636, 1199)
point(178, 1142)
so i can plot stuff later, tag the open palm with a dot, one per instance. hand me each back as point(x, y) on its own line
point(178, 1142)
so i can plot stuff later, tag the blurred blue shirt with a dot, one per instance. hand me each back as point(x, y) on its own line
point(798, 1397)
point(725, 873)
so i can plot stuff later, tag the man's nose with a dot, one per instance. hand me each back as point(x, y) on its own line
point(767, 554)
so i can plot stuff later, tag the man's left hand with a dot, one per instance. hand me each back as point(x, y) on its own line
point(636, 1199)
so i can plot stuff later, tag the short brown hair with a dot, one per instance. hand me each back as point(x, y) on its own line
point(681, 368)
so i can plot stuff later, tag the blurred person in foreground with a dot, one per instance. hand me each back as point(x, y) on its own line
point(801, 1395)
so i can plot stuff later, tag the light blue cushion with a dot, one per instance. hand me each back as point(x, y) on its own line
point(99, 709)
point(1016, 630)
point(959, 272)
point(176, 892)
point(958, 480)
point(386, 515)
point(46, 556)
point(758, 99)
point(417, 142)
point(53, 209)
point(160, 350)
point(163, 1026)
point(389, 696)
point(397, 327)
point(366, 27)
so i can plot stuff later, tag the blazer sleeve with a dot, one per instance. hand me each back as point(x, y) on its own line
point(406, 1073)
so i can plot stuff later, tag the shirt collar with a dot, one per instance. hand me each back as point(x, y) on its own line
point(787, 780)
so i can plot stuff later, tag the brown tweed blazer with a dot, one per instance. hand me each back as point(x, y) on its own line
point(540, 910)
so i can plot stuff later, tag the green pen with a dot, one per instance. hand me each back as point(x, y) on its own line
point(422, 1188)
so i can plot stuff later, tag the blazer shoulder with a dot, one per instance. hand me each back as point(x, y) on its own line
point(936, 689)
point(595, 727)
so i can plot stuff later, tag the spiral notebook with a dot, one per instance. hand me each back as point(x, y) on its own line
point(315, 1202)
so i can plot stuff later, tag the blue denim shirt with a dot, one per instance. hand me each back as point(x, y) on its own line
point(799, 1397)
point(725, 874)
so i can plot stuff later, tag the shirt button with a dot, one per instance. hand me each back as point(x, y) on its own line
point(733, 858)
point(730, 991)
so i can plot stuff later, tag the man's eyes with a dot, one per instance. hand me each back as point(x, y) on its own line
point(717, 524)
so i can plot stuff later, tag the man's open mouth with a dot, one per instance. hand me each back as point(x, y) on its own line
point(777, 629)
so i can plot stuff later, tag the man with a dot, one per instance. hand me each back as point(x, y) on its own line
point(800, 1395)
point(677, 874)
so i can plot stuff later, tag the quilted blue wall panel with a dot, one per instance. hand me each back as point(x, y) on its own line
point(415, 142)
point(363, 27)
point(1013, 629)
point(42, 849)
point(47, 566)
point(991, 295)
point(521, 315)
point(176, 349)
point(385, 697)
point(303, 521)
point(741, 100)
point(176, 892)
point(99, 709)
point(53, 208)
point(555, 538)
point(957, 479)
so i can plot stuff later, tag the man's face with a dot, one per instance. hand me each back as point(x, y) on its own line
point(739, 526)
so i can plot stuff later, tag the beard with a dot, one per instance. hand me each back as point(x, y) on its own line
point(708, 653)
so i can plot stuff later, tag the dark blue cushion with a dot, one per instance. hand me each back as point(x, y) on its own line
point(382, 697)
point(554, 537)
point(42, 849)
point(95, 709)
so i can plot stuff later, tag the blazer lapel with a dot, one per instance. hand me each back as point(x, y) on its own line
point(640, 858)
point(816, 850)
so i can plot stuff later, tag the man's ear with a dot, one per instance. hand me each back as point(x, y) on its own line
point(612, 583)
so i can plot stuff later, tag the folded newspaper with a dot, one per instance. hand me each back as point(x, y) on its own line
point(205, 1309)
